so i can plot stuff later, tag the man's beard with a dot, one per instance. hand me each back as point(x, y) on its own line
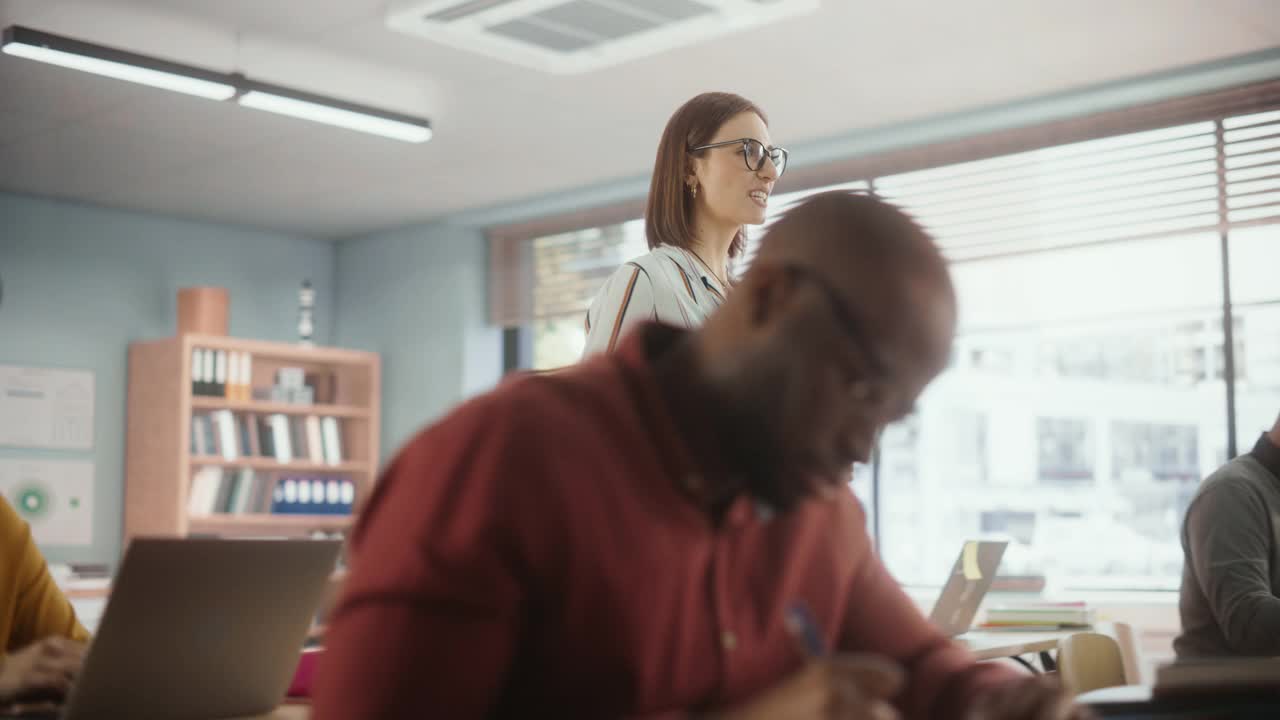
point(764, 427)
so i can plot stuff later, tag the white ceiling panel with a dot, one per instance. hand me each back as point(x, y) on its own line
point(505, 133)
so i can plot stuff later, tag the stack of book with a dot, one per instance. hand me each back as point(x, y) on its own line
point(1039, 616)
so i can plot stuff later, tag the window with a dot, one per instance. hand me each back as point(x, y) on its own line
point(1087, 393)
point(1255, 292)
point(568, 270)
point(1088, 347)
point(1065, 450)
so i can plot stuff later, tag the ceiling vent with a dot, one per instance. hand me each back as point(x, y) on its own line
point(573, 36)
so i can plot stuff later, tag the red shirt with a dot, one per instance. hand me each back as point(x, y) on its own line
point(532, 553)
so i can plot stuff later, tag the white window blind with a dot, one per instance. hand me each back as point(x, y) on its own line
point(1136, 185)
point(1252, 148)
point(569, 269)
point(1196, 164)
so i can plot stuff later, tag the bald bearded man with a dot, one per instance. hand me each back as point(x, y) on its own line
point(628, 538)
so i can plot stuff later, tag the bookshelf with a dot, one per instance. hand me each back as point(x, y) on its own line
point(186, 437)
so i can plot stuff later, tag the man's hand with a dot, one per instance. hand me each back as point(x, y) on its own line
point(1033, 698)
point(845, 686)
point(42, 670)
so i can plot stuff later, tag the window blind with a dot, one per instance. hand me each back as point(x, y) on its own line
point(1193, 164)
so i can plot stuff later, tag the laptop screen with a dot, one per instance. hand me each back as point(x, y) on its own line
point(970, 578)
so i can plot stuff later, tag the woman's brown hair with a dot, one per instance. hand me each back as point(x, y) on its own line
point(668, 213)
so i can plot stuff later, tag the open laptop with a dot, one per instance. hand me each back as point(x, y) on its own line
point(201, 628)
point(970, 579)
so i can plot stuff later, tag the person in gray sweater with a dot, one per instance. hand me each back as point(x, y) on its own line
point(1230, 598)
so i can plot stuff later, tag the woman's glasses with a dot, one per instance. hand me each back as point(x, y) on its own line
point(754, 152)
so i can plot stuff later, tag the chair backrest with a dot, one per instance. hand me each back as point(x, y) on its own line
point(1126, 637)
point(1090, 661)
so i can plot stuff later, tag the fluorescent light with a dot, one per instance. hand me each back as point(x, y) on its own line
point(123, 65)
point(42, 47)
point(407, 129)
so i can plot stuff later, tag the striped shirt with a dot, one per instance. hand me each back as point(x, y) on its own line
point(669, 285)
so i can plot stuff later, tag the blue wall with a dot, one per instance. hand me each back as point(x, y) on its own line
point(81, 282)
point(418, 297)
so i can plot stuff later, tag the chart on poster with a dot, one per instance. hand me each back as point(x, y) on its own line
point(46, 408)
point(54, 496)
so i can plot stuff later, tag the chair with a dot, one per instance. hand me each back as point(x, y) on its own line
point(1090, 661)
point(1127, 639)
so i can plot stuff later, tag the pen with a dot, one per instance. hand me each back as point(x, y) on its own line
point(804, 628)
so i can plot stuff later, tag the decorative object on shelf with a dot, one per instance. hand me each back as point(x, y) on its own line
point(306, 308)
point(290, 387)
point(203, 311)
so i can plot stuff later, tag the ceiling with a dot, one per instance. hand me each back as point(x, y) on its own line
point(504, 133)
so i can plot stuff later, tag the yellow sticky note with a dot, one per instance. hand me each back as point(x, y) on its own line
point(969, 562)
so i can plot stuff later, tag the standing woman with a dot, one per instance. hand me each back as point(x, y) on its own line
point(715, 170)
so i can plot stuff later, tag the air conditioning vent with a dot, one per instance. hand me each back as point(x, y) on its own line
point(571, 36)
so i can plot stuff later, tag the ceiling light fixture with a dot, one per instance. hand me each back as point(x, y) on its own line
point(101, 60)
point(119, 64)
point(333, 112)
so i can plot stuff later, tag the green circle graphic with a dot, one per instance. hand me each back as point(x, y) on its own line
point(33, 501)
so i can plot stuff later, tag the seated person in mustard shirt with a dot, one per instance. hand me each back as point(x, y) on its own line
point(43, 641)
point(667, 530)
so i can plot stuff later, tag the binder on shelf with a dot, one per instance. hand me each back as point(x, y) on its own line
point(232, 377)
point(239, 376)
point(333, 496)
point(348, 501)
point(312, 496)
point(301, 442)
point(197, 371)
point(262, 491)
point(204, 490)
point(319, 504)
point(232, 391)
point(209, 432)
point(246, 377)
point(304, 496)
point(332, 441)
point(228, 442)
point(286, 500)
point(249, 433)
point(206, 377)
point(315, 447)
point(199, 435)
point(266, 444)
point(280, 439)
point(244, 490)
point(226, 483)
point(220, 373)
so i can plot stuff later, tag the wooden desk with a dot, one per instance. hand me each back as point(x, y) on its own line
point(1118, 694)
point(995, 644)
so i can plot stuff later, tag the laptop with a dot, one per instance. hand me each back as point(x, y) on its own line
point(970, 579)
point(201, 628)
